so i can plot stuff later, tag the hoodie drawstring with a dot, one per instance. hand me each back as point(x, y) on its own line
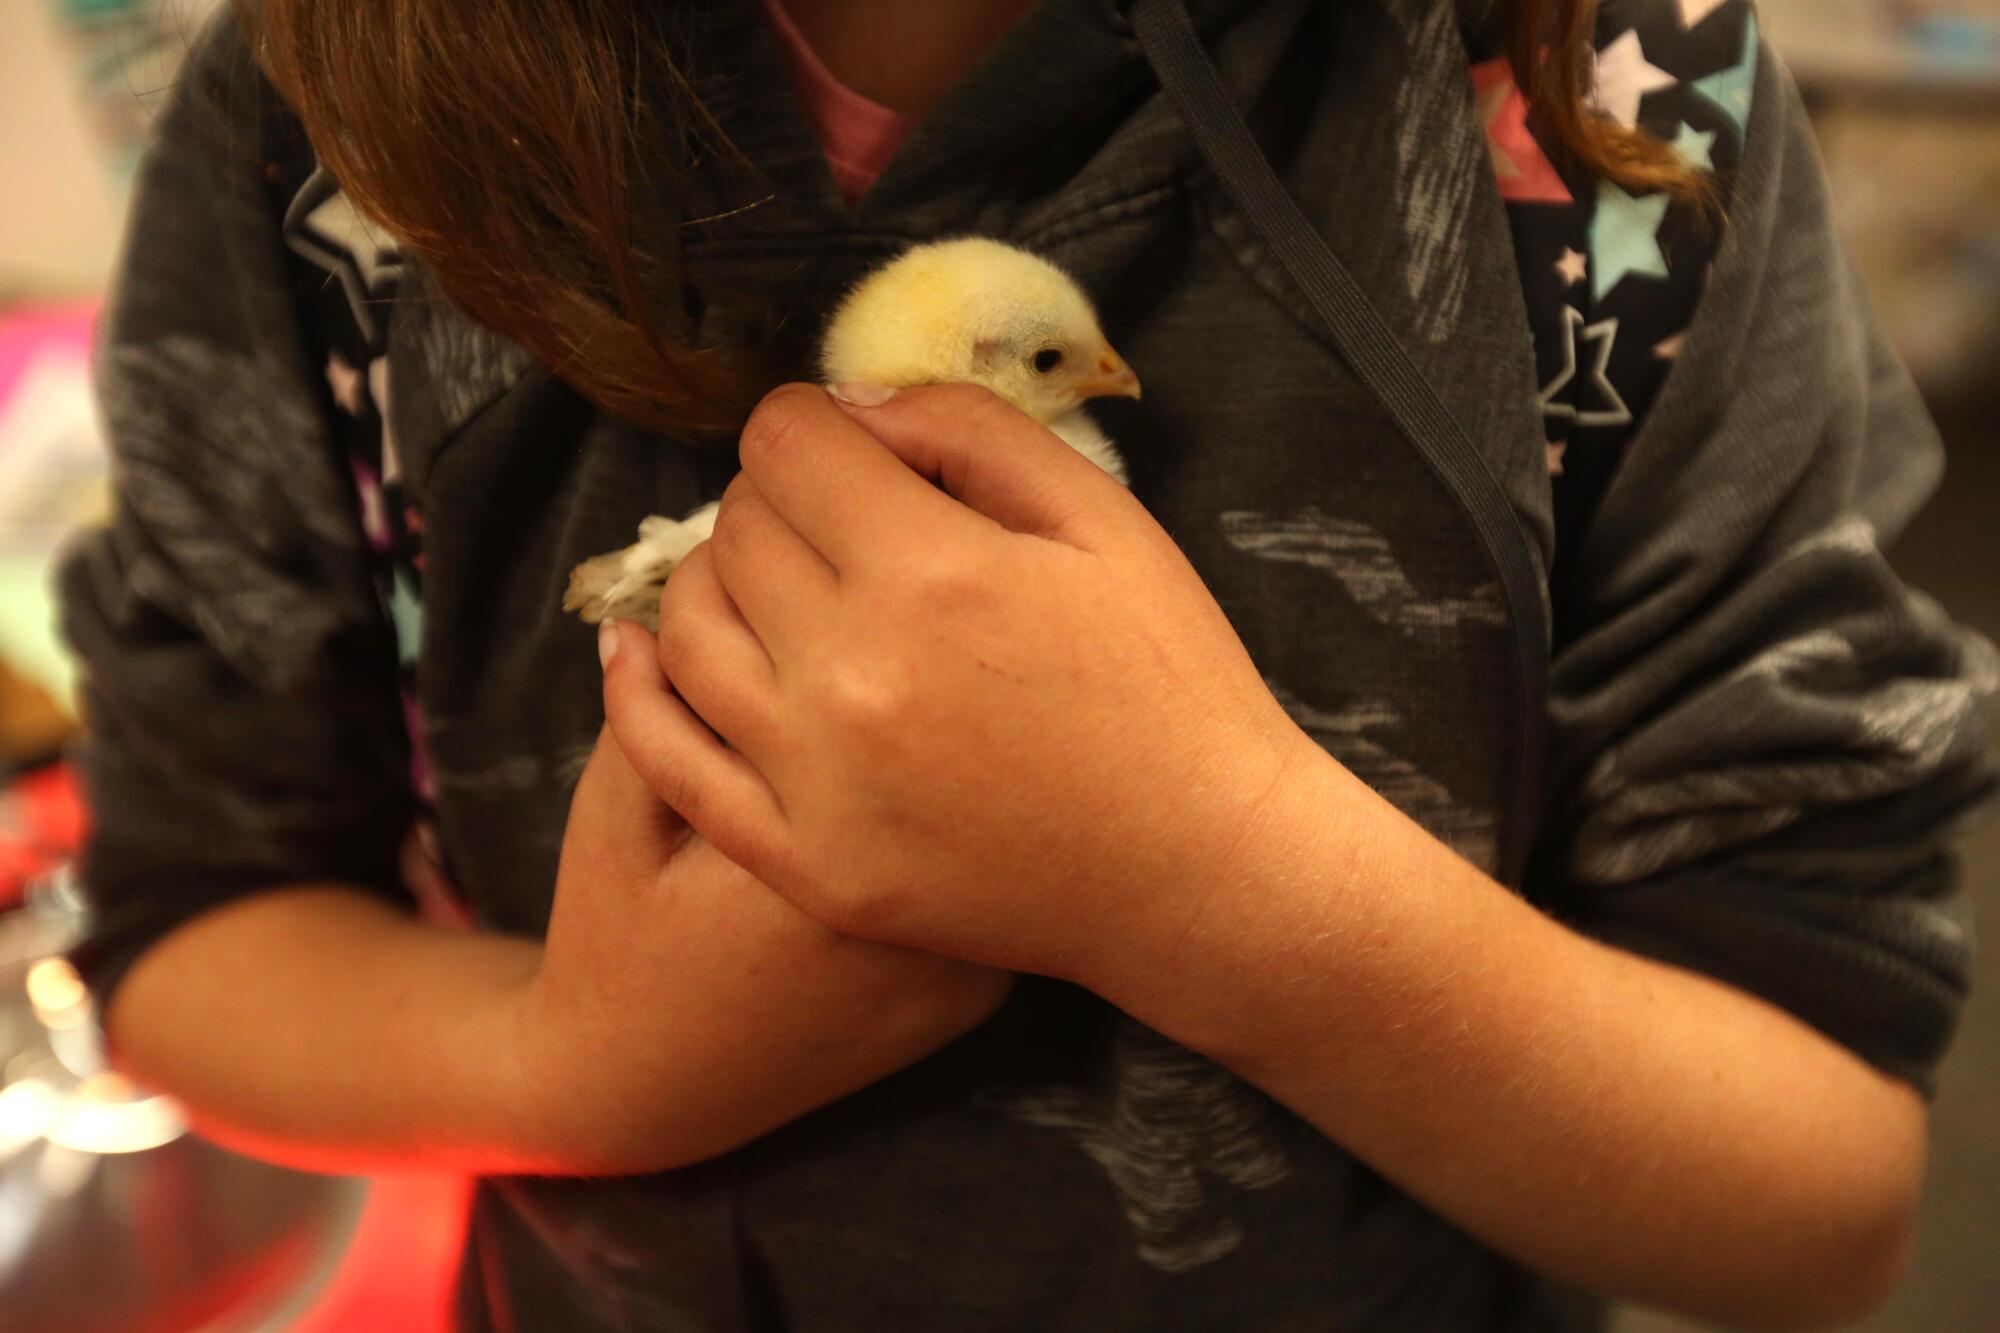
point(1187, 74)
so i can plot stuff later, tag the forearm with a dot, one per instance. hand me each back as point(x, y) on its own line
point(323, 1028)
point(755, 1014)
point(1628, 1126)
point(741, 1053)
point(319, 1026)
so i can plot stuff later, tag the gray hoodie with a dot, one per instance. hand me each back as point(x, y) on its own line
point(1719, 733)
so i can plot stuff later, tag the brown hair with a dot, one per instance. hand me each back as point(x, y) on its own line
point(1549, 45)
point(510, 144)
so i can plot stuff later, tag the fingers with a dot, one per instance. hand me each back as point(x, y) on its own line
point(680, 760)
point(993, 458)
point(711, 658)
point(778, 582)
point(837, 485)
point(614, 808)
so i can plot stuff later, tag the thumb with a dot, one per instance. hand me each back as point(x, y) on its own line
point(614, 806)
point(612, 799)
point(990, 456)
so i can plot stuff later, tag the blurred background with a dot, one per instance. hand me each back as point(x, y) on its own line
point(114, 1218)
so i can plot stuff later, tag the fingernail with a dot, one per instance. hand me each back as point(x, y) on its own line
point(862, 395)
point(607, 643)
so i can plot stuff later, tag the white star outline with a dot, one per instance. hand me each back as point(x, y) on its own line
point(1604, 333)
point(323, 227)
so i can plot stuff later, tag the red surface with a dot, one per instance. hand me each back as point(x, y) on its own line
point(399, 1270)
point(41, 825)
point(400, 1267)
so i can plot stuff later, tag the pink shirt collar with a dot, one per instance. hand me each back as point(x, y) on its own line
point(858, 135)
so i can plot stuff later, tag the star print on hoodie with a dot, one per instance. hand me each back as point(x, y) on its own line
point(1611, 278)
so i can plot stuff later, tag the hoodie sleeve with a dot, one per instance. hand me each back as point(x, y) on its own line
point(1761, 741)
point(239, 688)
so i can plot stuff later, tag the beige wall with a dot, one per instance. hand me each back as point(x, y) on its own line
point(59, 207)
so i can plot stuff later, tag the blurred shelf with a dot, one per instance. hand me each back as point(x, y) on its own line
point(1866, 49)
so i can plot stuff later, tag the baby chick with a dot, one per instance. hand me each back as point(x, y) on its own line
point(968, 311)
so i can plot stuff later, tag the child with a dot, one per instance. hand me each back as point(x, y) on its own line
point(1469, 824)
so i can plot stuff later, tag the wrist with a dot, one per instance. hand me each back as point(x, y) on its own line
point(559, 1102)
point(503, 1070)
point(1266, 872)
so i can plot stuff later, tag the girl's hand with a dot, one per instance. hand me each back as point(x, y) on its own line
point(681, 1008)
point(1002, 719)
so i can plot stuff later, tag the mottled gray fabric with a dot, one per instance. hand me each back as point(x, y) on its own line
point(1747, 706)
point(238, 683)
point(1177, 1131)
point(1759, 740)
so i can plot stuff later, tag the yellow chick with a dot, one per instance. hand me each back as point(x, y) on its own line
point(967, 311)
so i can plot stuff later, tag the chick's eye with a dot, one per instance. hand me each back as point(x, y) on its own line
point(1047, 360)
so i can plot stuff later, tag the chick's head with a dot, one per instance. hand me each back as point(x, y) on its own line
point(975, 311)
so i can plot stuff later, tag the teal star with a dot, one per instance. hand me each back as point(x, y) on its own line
point(1624, 237)
point(1731, 89)
point(407, 610)
point(1696, 149)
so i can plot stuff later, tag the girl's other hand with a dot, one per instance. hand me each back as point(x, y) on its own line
point(681, 1008)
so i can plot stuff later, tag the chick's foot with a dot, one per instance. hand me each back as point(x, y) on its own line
point(626, 584)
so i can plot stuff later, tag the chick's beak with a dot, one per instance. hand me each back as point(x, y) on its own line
point(1112, 378)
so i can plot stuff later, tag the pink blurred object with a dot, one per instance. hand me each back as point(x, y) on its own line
point(28, 333)
point(51, 452)
point(401, 1268)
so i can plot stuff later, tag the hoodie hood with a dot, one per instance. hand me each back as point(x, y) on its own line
point(1043, 103)
point(1364, 110)
point(1061, 114)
